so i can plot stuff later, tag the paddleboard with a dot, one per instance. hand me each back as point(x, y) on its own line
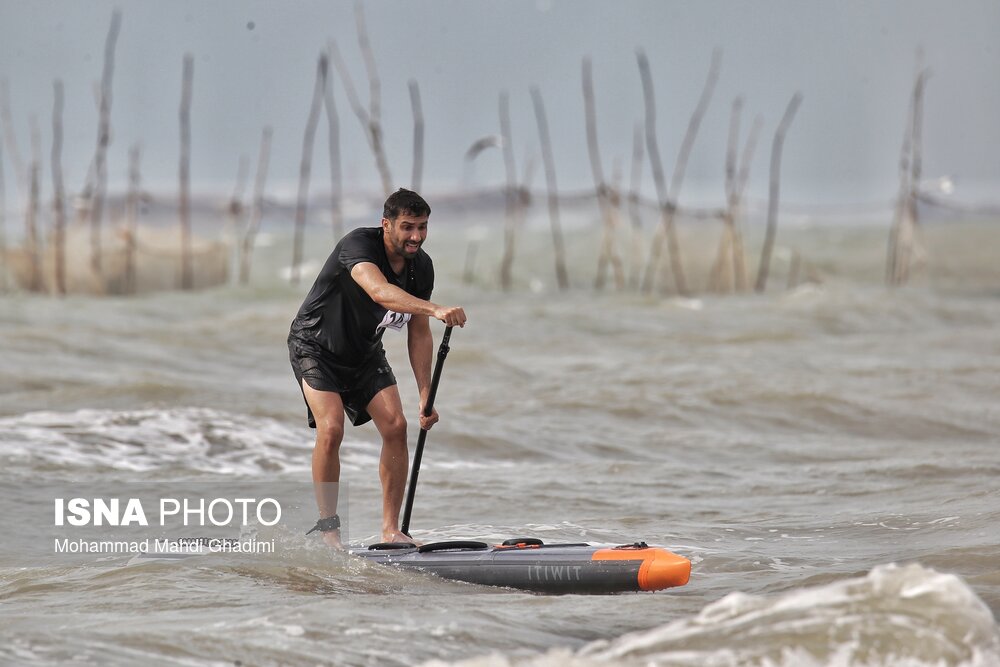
point(523, 563)
point(529, 564)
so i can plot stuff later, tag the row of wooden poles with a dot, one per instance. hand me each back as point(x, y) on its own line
point(91, 203)
point(730, 256)
point(609, 198)
point(731, 249)
point(95, 188)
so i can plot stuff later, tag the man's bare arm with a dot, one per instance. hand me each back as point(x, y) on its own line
point(398, 300)
point(420, 345)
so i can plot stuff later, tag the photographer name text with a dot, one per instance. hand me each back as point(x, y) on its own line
point(186, 546)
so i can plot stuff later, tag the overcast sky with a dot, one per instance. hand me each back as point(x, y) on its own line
point(854, 62)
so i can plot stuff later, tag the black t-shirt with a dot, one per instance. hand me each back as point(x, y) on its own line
point(338, 320)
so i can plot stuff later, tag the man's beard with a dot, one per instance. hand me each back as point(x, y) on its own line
point(403, 249)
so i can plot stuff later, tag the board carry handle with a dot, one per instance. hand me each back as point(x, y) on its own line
point(453, 545)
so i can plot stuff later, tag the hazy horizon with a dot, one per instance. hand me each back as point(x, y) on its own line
point(255, 66)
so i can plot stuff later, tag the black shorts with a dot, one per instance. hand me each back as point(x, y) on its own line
point(356, 386)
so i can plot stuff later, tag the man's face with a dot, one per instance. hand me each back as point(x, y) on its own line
point(406, 233)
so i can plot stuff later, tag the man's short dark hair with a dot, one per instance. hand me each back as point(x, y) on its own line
point(405, 201)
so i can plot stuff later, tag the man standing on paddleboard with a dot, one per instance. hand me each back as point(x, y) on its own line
point(377, 278)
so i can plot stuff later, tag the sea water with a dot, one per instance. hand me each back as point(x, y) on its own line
point(827, 456)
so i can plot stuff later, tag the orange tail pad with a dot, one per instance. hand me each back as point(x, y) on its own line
point(660, 568)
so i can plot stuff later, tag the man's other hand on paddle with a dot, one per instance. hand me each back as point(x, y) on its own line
point(452, 316)
point(426, 421)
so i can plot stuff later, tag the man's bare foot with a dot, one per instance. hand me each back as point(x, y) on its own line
point(332, 539)
point(395, 535)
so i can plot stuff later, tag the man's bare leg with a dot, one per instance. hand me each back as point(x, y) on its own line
point(328, 411)
point(387, 413)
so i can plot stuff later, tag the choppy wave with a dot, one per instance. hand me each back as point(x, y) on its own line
point(784, 442)
point(184, 439)
point(900, 616)
point(193, 439)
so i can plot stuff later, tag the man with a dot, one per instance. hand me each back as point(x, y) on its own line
point(377, 278)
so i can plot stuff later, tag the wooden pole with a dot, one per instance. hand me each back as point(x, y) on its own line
point(336, 177)
point(795, 269)
point(10, 136)
point(31, 242)
point(562, 276)
point(511, 198)
point(909, 230)
point(3, 225)
point(418, 136)
point(649, 100)
point(669, 199)
point(717, 277)
point(132, 219)
point(36, 240)
point(469, 273)
point(742, 177)
point(635, 216)
point(732, 146)
point(614, 199)
point(236, 210)
point(656, 164)
point(352, 93)
point(527, 179)
point(103, 140)
point(730, 256)
point(368, 55)
point(693, 124)
point(680, 167)
point(375, 99)
point(907, 227)
point(58, 190)
point(772, 204)
point(901, 200)
point(608, 255)
point(370, 125)
point(305, 168)
point(187, 272)
point(374, 102)
point(257, 209)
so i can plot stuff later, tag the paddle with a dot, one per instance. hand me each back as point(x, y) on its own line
point(428, 408)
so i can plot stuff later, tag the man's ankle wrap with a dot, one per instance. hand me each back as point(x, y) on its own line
point(326, 525)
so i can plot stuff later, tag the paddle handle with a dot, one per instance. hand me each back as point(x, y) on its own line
point(428, 409)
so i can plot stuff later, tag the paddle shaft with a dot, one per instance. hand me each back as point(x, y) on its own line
point(428, 409)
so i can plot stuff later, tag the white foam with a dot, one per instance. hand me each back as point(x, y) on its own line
point(896, 616)
point(191, 439)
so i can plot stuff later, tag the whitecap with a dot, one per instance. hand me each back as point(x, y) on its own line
point(896, 616)
point(182, 439)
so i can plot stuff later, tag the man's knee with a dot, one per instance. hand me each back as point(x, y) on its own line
point(329, 433)
point(395, 428)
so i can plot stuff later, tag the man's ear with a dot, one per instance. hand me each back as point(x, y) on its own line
point(385, 224)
